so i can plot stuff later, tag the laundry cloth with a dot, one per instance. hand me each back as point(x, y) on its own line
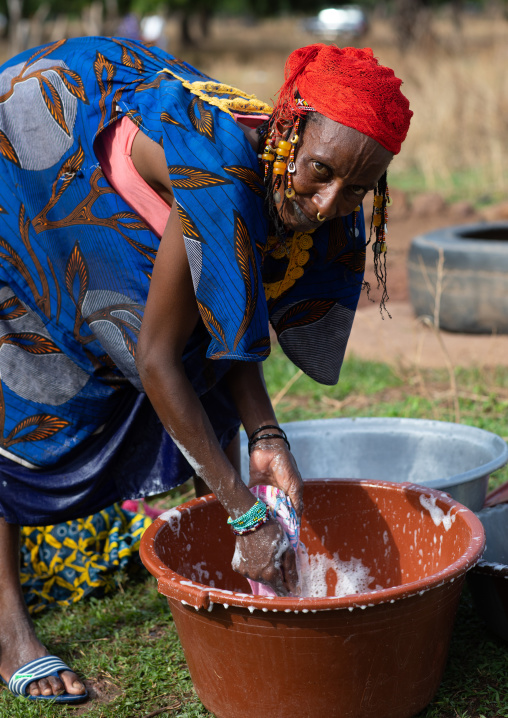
point(282, 509)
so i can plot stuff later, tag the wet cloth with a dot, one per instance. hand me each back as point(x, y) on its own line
point(63, 563)
point(76, 260)
point(282, 509)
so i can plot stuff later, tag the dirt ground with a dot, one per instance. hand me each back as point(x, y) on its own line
point(403, 339)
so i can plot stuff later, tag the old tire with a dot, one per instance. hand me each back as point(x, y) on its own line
point(466, 269)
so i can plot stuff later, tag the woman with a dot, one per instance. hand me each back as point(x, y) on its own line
point(135, 249)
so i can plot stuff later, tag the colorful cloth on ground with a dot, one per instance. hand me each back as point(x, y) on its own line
point(76, 261)
point(63, 563)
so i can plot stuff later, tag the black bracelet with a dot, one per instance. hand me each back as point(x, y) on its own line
point(268, 436)
point(282, 435)
point(266, 426)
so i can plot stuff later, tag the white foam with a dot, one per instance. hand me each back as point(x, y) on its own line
point(350, 577)
point(198, 468)
point(173, 518)
point(437, 514)
point(201, 571)
point(189, 583)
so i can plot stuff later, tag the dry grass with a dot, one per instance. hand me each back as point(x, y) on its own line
point(458, 89)
point(455, 79)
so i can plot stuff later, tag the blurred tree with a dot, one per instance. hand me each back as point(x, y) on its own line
point(25, 18)
point(411, 17)
point(412, 20)
point(199, 10)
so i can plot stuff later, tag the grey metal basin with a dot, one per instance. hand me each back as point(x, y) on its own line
point(451, 457)
point(488, 580)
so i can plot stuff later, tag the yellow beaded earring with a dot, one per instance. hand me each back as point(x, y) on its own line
point(280, 164)
point(378, 225)
point(268, 155)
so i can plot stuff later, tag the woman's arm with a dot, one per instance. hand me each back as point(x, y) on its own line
point(170, 317)
point(271, 461)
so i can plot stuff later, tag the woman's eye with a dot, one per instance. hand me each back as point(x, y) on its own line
point(355, 189)
point(320, 169)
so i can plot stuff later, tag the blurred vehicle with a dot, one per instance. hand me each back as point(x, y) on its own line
point(335, 21)
point(153, 31)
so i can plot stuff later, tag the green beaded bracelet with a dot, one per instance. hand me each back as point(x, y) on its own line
point(251, 519)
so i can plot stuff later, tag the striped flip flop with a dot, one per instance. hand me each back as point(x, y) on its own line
point(41, 668)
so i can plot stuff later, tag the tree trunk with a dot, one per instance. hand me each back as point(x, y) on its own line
point(185, 34)
point(92, 19)
point(204, 21)
point(412, 21)
point(15, 31)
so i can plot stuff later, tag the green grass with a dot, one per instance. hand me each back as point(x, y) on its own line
point(375, 389)
point(127, 645)
point(476, 185)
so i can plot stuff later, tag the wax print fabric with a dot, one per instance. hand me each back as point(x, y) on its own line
point(76, 261)
point(63, 563)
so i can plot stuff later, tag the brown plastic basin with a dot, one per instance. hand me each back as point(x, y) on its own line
point(379, 654)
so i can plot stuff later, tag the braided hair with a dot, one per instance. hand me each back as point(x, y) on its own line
point(379, 244)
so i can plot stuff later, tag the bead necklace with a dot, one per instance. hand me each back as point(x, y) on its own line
point(297, 252)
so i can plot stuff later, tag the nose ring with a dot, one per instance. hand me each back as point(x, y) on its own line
point(320, 217)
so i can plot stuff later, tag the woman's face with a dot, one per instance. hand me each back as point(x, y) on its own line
point(335, 167)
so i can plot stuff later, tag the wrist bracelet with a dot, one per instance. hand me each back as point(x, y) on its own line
point(267, 436)
point(261, 522)
point(251, 520)
point(262, 428)
point(253, 439)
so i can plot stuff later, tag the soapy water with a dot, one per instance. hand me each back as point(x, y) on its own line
point(345, 578)
point(319, 575)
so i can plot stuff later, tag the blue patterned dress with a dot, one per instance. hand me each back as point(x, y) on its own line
point(76, 431)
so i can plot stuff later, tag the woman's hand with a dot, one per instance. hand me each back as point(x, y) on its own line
point(267, 556)
point(272, 464)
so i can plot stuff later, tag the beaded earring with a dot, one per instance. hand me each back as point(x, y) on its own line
point(280, 165)
point(268, 155)
point(378, 222)
point(380, 219)
point(290, 192)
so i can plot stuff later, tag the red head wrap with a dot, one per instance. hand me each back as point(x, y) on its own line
point(349, 86)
